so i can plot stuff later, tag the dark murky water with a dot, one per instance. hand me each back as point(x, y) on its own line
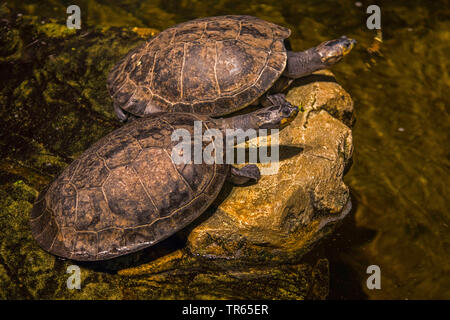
point(400, 175)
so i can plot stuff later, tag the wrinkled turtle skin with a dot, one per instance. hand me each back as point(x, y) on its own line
point(211, 66)
point(125, 193)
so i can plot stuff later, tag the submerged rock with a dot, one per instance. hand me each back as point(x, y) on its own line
point(249, 244)
point(289, 282)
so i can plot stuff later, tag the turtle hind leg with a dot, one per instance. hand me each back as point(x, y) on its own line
point(248, 174)
point(121, 114)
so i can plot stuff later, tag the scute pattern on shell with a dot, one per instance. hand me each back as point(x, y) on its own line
point(208, 66)
point(125, 193)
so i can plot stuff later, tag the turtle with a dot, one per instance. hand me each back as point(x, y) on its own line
point(214, 66)
point(126, 192)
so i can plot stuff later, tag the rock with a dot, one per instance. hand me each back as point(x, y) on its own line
point(267, 227)
point(281, 214)
point(250, 244)
point(320, 91)
point(295, 282)
point(53, 96)
point(26, 271)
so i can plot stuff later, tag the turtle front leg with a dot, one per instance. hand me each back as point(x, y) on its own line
point(278, 99)
point(248, 174)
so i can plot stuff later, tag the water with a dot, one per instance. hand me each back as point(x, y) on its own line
point(400, 176)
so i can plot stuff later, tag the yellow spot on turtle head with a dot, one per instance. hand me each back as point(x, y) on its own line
point(287, 121)
point(347, 50)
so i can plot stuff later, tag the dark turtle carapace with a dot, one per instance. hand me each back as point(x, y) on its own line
point(126, 193)
point(214, 66)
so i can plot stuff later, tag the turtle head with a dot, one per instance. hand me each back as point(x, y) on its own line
point(333, 51)
point(276, 116)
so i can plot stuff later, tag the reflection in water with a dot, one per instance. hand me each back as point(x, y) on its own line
point(400, 174)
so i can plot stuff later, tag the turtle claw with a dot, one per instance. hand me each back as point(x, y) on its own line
point(248, 174)
point(120, 113)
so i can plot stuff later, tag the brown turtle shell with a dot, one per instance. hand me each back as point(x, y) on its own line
point(125, 193)
point(211, 66)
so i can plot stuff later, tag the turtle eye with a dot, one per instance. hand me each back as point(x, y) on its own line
point(285, 111)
